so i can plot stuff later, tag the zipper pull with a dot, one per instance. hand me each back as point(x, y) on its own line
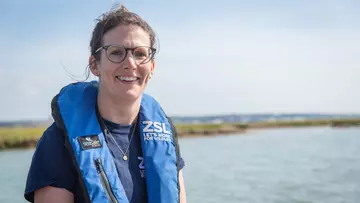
point(98, 165)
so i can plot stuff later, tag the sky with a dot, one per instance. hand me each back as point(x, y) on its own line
point(219, 57)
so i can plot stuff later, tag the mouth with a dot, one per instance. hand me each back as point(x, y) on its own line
point(128, 79)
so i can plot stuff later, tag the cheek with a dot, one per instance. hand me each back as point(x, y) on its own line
point(107, 69)
point(145, 70)
point(104, 65)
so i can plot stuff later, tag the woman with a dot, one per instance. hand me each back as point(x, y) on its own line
point(110, 142)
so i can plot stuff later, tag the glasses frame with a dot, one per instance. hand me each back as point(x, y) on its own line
point(106, 48)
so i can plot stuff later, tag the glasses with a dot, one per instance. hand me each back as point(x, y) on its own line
point(117, 54)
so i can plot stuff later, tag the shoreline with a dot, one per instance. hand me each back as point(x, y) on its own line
point(27, 137)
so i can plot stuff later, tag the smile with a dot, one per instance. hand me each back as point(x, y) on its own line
point(127, 78)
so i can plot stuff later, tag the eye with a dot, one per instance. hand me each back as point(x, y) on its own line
point(141, 52)
point(116, 51)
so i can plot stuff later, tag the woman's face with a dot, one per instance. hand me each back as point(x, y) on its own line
point(126, 80)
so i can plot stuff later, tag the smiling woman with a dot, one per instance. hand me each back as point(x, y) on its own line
point(105, 145)
point(127, 46)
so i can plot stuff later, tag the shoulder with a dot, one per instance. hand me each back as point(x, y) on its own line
point(173, 128)
point(51, 164)
point(181, 162)
point(49, 147)
point(52, 134)
point(51, 140)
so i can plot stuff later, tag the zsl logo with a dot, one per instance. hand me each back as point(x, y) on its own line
point(158, 127)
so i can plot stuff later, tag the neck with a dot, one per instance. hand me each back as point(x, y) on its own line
point(120, 112)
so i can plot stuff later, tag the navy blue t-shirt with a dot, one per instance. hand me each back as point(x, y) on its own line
point(52, 164)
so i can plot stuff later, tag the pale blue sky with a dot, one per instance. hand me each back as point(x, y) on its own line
point(215, 57)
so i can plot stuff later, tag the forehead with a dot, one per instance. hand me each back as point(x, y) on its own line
point(127, 35)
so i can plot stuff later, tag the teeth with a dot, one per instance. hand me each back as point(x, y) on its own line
point(129, 79)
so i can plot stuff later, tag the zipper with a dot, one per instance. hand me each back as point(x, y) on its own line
point(105, 182)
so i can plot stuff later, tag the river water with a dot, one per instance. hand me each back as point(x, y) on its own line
point(292, 165)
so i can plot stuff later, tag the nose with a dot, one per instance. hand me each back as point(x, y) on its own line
point(129, 61)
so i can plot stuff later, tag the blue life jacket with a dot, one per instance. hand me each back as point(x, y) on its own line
point(74, 110)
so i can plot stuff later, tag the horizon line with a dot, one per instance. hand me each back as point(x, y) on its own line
point(207, 115)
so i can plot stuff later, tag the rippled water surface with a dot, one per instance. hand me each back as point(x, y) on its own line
point(300, 165)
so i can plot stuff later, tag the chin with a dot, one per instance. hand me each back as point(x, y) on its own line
point(130, 95)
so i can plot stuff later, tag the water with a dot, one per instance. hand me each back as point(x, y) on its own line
point(294, 165)
point(14, 165)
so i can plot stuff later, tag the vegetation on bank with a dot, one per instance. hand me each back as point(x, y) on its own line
point(19, 137)
point(28, 137)
point(208, 129)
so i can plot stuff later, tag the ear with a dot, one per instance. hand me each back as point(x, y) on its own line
point(152, 66)
point(93, 66)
